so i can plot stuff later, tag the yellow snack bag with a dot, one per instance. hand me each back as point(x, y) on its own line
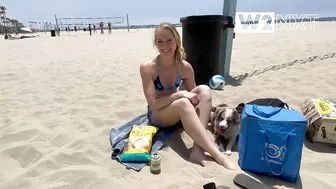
point(139, 144)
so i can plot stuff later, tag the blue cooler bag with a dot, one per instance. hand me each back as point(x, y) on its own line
point(271, 140)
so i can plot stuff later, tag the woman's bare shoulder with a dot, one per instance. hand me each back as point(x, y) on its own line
point(148, 66)
point(185, 64)
point(186, 67)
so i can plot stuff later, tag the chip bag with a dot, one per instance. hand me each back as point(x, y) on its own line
point(139, 144)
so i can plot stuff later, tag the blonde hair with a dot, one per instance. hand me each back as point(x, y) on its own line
point(180, 54)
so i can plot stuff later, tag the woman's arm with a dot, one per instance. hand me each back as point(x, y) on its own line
point(146, 73)
point(188, 76)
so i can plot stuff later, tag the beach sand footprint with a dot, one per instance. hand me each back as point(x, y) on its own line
point(77, 144)
point(104, 183)
point(96, 121)
point(60, 100)
point(127, 114)
point(25, 154)
point(99, 97)
point(59, 140)
point(42, 167)
point(72, 158)
point(20, 136)
point(210, 171)
point(52, 124)
point(8, 77)
point(72, 177)
point(83, 128)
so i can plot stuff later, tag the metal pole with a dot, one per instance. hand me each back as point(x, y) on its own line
point(44, 27)
point(127, 22)
point(229, 9)
point(57, 28)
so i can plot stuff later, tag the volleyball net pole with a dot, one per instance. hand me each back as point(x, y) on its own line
point(57, 29)
point(229, 9)
point(127, 22)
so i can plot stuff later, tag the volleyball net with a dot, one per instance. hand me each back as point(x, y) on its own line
point(85, 21)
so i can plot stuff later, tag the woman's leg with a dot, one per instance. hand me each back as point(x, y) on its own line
point(204, 107)
point(205, 95)
point(183, 110)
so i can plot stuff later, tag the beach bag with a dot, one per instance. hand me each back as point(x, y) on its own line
point(271, 141)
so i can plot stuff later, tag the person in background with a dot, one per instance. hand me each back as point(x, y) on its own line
point(101, 28)
point(109, 28)
point(94, 28)
point(90, 30)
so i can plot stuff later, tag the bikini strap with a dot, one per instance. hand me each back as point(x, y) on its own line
point(158, 66)
point(178, 72)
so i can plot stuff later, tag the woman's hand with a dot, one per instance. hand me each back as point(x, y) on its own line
point(193, 98)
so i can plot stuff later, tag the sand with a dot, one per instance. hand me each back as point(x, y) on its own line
point(60, 97)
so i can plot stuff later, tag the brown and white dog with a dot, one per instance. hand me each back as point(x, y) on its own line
point(226, 124)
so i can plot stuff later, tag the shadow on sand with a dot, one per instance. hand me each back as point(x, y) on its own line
point(319, 147)
point(235, 81)
point(177, 144)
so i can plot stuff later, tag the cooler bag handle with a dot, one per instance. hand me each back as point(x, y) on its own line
point(274, 154)
point(266, 113)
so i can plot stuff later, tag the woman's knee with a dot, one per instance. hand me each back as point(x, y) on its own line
point(204, 92)
point(183, 104)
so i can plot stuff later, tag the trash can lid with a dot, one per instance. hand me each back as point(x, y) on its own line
point(206, 18)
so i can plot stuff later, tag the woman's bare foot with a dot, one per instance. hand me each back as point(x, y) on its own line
point(222, 160)
point(198, 155)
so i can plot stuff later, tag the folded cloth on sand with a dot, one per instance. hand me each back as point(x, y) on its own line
point(119, 136)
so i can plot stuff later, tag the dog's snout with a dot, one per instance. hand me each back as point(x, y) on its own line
point(223, 124)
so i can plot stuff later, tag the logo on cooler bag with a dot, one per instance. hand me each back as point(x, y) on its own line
point(274, 153)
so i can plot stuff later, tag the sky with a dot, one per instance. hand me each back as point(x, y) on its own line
point(154, 11)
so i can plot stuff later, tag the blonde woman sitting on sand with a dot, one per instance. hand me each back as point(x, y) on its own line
point(167, 106)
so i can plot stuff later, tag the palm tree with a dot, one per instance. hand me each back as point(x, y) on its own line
point(17, 25)
point(12, 25)
point(1, 27)
point(7, 27)
point(8, 24)
point(2, 8)
point(2, 18)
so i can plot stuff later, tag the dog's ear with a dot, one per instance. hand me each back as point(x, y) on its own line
point(236, 116)
point(222, 105)
point(214, 116)
point(218, 112)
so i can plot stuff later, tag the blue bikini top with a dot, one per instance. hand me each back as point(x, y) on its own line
point(157, 83)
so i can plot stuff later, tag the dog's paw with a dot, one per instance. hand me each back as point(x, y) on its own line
point(228, 152)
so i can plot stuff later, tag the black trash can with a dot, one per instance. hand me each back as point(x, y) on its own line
point(53, 33)
point(201, 39)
